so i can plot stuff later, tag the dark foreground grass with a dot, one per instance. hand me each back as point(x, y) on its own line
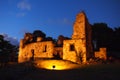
point(86, 72)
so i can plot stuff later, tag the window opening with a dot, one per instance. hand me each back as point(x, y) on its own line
point(45, 48)
point(72, 47)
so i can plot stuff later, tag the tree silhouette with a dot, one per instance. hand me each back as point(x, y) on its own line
point(116, 40)
point(6, 50)
point(38, 33)
point(60, 40)
point(102, 35)
point(48, 39)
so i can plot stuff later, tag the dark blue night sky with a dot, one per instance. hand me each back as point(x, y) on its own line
point(54, 17)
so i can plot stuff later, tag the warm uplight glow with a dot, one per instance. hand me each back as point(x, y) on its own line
point(55, 64)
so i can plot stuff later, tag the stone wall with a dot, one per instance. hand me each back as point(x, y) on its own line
point(79, 27)
point(102, 54)
point(78, 49)
point(89, 44)
point(82, 31)
point(36, 50)
point(74, 50)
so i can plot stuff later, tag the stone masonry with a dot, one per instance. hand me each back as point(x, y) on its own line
point(36, 50)
point(78, 49)
point(101, 54)
point(81, 40)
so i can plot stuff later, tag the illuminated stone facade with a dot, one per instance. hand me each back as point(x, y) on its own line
point(81, 41)
point(101, 54)
point(36, 50)
point(78, 49)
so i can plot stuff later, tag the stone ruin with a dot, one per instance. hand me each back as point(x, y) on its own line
point(101, 54)
point(78, 49)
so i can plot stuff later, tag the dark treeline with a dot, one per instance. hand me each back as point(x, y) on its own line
point(8, 52)
point(104, 36)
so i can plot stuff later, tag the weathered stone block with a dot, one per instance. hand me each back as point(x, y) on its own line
point(102, 53)
point(82, 31)
point(74, 50)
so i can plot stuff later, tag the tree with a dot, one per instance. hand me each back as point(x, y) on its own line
point(48, 39)
point(38, 33)
point(102, 35)
point(116, 40)
point(60, 40)
point(6, 50)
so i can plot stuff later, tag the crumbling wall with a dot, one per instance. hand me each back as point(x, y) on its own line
point(79, 27)
point(36, 50)
point(58, 51)
point(102, 54)
point(89, 44)
point(74, 50)
point(78, 49)
point(82, 31)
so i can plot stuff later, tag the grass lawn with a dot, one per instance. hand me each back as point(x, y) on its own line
point(85, 72)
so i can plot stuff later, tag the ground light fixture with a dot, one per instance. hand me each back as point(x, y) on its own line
point(56, 64)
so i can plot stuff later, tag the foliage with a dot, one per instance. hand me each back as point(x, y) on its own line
point(7, 50)
point(60, 40)
point(38, 33)
point(104, 36)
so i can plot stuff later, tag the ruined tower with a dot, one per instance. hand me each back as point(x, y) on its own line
point(82, 30)
point(80, 47)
